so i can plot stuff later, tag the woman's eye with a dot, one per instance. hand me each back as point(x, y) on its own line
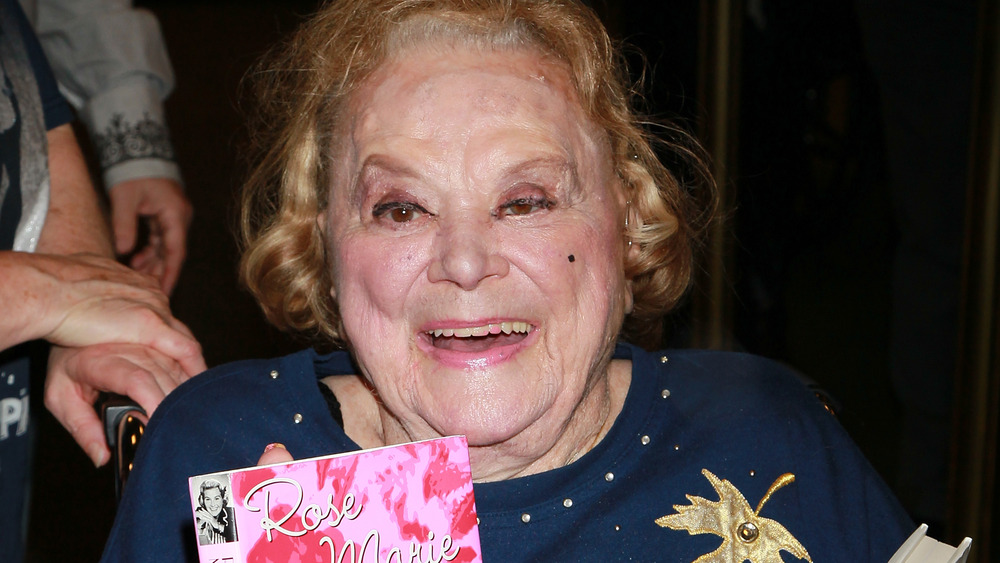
point(398, 212)
point(524, 206)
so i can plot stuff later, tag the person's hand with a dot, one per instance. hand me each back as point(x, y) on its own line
point(90, 300)
point(120, 331)
point(77, 375)
point(82, 299)
point(206, 521)
point(162, 200)
point(274, 453)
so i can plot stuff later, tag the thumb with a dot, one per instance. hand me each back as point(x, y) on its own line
point(124, 218)
point(275, 453)
point(76, 413)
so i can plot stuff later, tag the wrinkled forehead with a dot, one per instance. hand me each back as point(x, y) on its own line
point(439, 56)
point(498, 82)
point(447, 88)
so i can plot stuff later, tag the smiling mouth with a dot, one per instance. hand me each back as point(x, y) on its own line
point(479, 338)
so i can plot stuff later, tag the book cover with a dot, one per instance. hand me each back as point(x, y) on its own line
point(410, 503)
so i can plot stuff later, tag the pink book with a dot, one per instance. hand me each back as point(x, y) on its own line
point(411, 503)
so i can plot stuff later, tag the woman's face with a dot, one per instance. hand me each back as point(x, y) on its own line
point(474, 228)
point(213, 501)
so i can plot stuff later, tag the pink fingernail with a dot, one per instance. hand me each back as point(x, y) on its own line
point(273, 445)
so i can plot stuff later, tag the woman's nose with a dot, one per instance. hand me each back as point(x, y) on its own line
point(466, 255)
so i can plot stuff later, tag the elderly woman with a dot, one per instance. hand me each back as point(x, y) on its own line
point(458, 192)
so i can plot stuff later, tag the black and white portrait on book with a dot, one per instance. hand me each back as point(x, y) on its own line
point(213, 510)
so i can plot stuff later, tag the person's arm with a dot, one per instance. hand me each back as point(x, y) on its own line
point(94, 306)
point(121, 102)
point(75, 222)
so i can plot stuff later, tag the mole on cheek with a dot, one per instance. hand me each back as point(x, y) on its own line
point(572, 258)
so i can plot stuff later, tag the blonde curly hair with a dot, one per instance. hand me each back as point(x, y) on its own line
point(304, 85)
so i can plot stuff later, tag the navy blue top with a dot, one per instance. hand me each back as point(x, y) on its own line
point(745, 419)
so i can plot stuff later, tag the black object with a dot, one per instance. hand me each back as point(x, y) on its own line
point(124, 424)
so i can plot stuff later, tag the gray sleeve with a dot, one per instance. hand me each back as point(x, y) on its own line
point(112, 65)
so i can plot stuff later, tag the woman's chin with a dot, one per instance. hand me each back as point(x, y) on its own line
point(484, 425)
point(486, 437)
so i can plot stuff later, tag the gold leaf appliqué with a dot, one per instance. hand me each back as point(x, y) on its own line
point(745, 534)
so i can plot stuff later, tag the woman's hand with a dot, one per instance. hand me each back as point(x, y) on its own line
point(206, 521)
point(275, 453)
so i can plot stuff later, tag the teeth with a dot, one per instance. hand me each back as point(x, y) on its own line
point(492, 328)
